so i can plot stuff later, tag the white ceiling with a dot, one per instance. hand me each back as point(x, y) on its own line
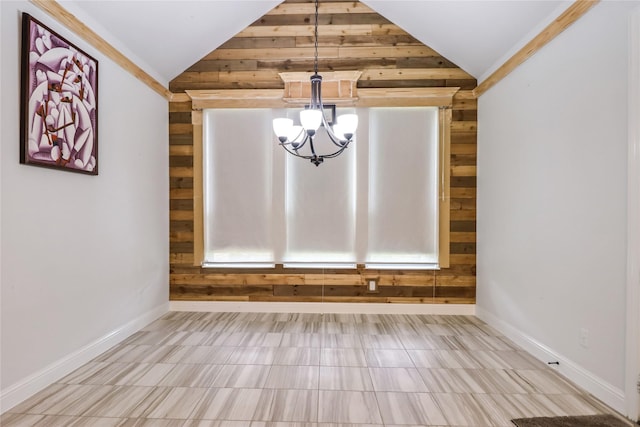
point(476, 35)
point(165, 37)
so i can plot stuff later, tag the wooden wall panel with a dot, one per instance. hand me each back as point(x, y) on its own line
point(352, 37)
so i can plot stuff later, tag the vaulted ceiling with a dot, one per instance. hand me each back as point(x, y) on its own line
point(166, 37)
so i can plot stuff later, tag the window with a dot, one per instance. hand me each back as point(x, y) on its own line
point(238, 202)
point(375, 204)
point(403, 188)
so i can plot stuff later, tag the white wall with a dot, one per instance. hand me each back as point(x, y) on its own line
point(84, 258)
point(632, 366)
point(552, 171)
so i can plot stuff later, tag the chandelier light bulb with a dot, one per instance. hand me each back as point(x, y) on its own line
point(282, 128)
point(338, 131)
point(311, 120)
point(348, 124)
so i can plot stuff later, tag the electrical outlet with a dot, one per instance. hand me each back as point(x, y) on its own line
point(584, 338)
point(373, 286)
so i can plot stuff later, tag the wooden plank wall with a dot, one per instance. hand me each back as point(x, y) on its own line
point(352, 37)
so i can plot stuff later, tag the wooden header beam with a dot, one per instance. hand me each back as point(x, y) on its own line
point(338, 87)
point(367, 97)
point(406, 97)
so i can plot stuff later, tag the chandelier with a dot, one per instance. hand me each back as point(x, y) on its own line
point(299, 139)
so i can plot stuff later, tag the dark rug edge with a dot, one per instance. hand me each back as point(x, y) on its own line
point(605, 420)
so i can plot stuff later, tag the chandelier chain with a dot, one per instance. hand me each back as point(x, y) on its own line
point(315, 62)
point(340, 131)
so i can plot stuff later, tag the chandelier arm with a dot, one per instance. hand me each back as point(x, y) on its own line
point(300, 144)
point(309, 157)
point(317, 97)
point(296, 148)
point(332, 136)
point(295, 152)
point(302, 132)
point(337, 141)
point(313, 149)
point(335, 154)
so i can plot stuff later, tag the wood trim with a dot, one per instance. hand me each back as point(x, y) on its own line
point(198, 189)
point(406, 97)
point(236, 98)
point(338, 87)
point(465, 100)
point(328, 76)
point(367, 97)
point(69, 20)
point(561, 23)
point(179, 97)
point(409, 307)
point(444, 214)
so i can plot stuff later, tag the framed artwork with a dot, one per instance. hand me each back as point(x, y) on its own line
point(59, 102)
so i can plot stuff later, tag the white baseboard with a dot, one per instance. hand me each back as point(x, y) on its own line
point(596, 386)
point(22, 390)
point(320, 307)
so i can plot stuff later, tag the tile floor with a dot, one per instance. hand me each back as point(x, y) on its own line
point(306, 370)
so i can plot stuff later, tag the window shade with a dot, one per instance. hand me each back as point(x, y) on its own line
point(403, 186)
point(237, 185)
point(320, 208)
point(375, 204)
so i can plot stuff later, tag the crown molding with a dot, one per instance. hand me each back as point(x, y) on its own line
point(66, 18)
point(550, 32)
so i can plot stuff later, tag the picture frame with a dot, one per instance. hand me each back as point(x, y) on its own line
point(59, 101)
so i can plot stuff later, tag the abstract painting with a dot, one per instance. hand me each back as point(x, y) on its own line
point(59, 102)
